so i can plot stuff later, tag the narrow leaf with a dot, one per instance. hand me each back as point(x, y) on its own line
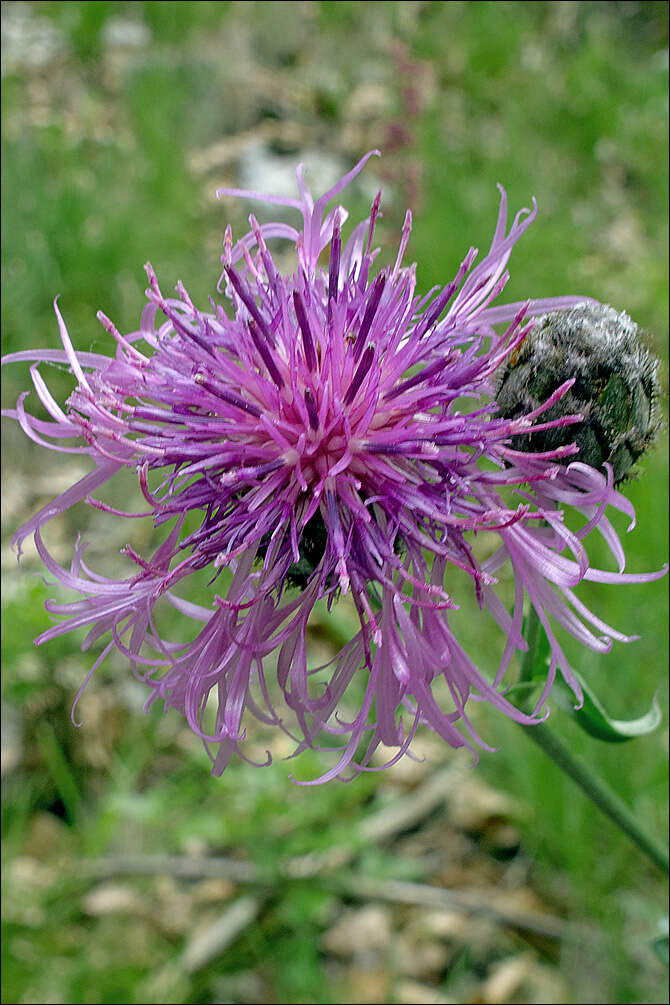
point(595, 721)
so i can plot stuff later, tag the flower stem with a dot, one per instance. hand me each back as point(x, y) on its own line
point(595, 788)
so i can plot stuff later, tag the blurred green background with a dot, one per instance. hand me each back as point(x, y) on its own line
point(119, 122)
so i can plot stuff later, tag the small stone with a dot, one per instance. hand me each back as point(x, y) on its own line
point(113, 898)
point(419, 958)
point(505, 979)
point(415, 993)
point(360, 932)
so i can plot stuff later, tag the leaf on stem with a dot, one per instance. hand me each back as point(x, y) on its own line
point(595, 721)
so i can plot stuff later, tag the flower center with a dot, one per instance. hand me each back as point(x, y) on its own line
point(318, 450)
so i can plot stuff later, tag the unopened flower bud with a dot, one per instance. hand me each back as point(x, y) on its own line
point(615, 385)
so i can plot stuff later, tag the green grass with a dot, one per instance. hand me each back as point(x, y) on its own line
point(566, 102)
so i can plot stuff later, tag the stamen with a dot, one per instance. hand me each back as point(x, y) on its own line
point(334, 270)
point(226, 257)
point(228, 396)
point(404, 241)
point(249, 303)
point(423, 375)
point(373, 219)
point(436, 308)
point(303, 322)
point(312, 410)
point(265, 354)
point(370, 311)
point(249, 473)
point(361, 371)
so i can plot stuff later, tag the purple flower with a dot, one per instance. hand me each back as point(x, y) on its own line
point(330, 432)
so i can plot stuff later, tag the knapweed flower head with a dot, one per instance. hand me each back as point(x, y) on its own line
point(325, 432)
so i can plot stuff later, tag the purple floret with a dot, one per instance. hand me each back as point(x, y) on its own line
point(316, 430)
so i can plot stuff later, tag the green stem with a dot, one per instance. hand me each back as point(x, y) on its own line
point(595, 788)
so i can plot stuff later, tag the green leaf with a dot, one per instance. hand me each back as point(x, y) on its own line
point(595, 721)
point(591, 717)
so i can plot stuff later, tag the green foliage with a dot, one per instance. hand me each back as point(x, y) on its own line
point(589, 715)
point(595, 721)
